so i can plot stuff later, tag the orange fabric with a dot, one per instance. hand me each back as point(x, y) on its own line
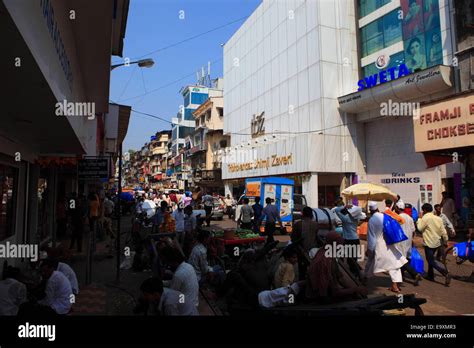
point(362, 229)
point(394, 215)
point(94, 207)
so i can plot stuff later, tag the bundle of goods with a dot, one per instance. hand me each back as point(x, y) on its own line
point(242, 233)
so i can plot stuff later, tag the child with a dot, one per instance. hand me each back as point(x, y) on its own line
point(285, 274)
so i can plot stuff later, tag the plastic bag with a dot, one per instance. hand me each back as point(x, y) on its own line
point(464, 250)
point(392, 231)
point(416, 261)
point(414, 214)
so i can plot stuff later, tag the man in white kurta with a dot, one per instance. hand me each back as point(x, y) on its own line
point(405, 246)
point(382, 257)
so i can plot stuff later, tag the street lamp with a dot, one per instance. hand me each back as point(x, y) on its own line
point(142, 63)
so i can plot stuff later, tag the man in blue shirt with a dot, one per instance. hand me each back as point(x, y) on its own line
point(350, 216)
point(271, 213)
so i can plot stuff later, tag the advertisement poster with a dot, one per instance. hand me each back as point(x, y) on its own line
point(286, 200)
point(421, 34)
point(252, 189)
point(426, 194)
point(270, 191)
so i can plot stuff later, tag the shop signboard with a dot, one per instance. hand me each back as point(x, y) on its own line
point(445, 125)
point(93, 169)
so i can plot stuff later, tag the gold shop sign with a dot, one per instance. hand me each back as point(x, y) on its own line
point(273, 161)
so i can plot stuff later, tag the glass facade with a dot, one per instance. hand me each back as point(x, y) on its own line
point(395, 60)
point(186, 99)
point(368, 6)
point(188, 114)
point(421, 34)
point(185, 131)
point(198, 98)
point(381, 33)
point(417, 24)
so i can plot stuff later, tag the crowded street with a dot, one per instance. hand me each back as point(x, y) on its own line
point(236, 165)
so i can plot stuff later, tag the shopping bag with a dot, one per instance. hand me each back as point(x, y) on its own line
point(392, 231)
point(414, 214)
point(464, 250)
point(416, 261)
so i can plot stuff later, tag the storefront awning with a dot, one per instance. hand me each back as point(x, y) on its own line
point(410, 87)
point(124, 119)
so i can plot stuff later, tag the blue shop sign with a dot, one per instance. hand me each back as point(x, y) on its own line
point(381, 77)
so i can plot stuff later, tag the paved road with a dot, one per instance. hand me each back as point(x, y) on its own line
point(441, 300)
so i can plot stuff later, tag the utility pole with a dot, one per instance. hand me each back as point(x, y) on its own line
point(119, 215)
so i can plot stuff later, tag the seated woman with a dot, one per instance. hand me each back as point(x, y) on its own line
point(325, 281)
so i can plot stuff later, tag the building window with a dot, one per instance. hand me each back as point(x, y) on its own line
point(223, 144)
point(368, 6)
point(220, 112)
point(188, 114)
point(198, 98)
point(381, 33)
point(186, 131)
point(8, 192)
point(186, 99)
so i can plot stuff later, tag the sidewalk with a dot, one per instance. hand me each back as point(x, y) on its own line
point(104, 296)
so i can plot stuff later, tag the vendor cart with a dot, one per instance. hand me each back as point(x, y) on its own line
point(226, 247)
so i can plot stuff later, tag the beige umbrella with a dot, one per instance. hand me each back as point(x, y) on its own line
point(369, 191)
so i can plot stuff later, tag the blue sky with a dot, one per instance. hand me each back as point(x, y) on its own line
point(154, 24)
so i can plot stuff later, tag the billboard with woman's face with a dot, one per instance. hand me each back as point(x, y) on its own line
point(415, 54)
point(421, 33)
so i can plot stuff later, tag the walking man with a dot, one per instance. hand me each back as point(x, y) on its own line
point(434, 234)
point(350, 216)
point(257, 214)
point(448, 207)
point(208, 202)
point(382, 257)
point(246, 214)
point(272, 215)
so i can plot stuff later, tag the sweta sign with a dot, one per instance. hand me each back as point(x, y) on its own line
point(445, 125)
point(381, 77)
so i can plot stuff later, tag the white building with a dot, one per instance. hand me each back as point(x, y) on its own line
point(290, 61)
